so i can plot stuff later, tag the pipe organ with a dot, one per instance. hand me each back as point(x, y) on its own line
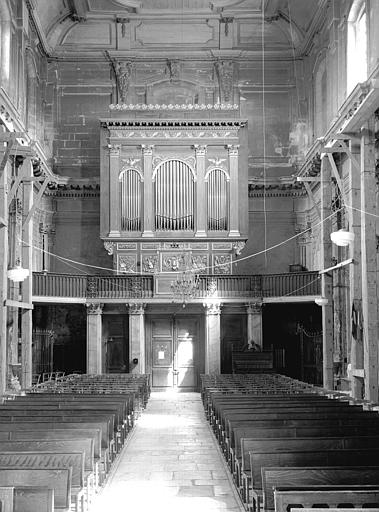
point(172, 186)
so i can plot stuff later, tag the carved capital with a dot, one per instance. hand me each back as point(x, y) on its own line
point(212, 307)
point(147, 149)
point(94, 308)
point(136, 308)
point(109, 247)
point(232, 149)
point(114, 150)
point(200, 150)
point(254, 308)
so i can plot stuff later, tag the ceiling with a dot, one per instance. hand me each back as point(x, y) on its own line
point(288, 23)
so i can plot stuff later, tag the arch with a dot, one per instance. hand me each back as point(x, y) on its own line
point(126, 168)
point(171, 160)
point(210, 169)
point(356, 68)
point(130, 195)
point(217, 197)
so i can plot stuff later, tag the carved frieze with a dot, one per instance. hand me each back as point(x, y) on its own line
point(222, 264)
point(127, 263)
point(127, 246)
point(150, 263)
point(184, 106)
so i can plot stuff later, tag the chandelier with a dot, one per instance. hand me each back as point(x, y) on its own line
point(186, 284)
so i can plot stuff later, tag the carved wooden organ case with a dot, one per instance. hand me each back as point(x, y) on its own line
point(172, 187)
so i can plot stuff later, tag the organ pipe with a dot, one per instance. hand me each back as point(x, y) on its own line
point(217, 203)
point(130, 200)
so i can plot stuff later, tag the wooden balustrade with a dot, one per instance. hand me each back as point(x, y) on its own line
point(142, 286)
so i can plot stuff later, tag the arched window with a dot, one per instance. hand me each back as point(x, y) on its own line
point(174, 196)
point(217, 200)
point(356, 45)
point(130, 200)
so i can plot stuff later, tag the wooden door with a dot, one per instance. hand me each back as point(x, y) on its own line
point(174, 349)
point(117, 345)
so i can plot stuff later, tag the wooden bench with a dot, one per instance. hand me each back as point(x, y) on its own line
point(282, 477)
point(302, 458)
point(46, 460)
point(251, 361)
point(58, 479)
point(287, 498)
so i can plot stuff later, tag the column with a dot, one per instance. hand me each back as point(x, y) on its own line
point(27, 255)
point(212, 337)
point(114, 200)
point(94, 337)
point(137, 337)
point(3, 271)
point(355, 347)
point(201, 201)
point(254, 323)
point(369, 262)
point(148, 198)
point(326, 279)
point(233, 194)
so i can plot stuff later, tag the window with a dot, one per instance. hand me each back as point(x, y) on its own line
point(174, 196)
point(217, 200)
point(356, 45)
point(130, 200)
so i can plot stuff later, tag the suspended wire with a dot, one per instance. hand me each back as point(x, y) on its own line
point(264, 127)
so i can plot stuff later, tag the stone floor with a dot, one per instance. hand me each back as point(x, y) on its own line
point(171, 462)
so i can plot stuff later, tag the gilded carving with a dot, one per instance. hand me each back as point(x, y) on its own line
point(200, 150)
point(232, 149)
point(217, 161)
point(94, 308)
point(173, 68)
point(123, 71)
point(199, 263)
point(225, 74)
point(136, 308)
point(212, 308)
point(114, 150)
point(254, 308)
point(147, 149)
point(238, 247)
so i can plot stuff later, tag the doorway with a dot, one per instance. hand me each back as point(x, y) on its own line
point(174, 352)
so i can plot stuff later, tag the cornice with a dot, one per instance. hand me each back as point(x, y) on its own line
point(204, 124)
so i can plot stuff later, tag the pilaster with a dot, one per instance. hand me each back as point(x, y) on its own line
point(212, 337)
point(3, 273)
point(94, 337)
point(200, 152)
point(254, 323)
point(114, 200)
point(137, 337)
point(234, 200)
point(148, 214)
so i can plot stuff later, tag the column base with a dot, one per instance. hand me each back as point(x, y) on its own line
point(200, 233)
point(147, 234)
point(234, 233)
point(114, 234)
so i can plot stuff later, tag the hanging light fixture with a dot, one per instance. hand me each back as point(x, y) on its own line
point(342, 237)
point(17, 273)
point(185, 285)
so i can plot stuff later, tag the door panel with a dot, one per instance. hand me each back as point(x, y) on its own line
point(174, 352)
point(117, 344)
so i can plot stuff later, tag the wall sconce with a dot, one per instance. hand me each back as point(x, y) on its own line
point(321, 301)
point(17, 273)
point(342, 237)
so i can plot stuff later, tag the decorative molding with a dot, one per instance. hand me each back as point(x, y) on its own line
point(94, 308)
point(109, 247)
point(222, 264)
point(136, 308)
point(127, 246)
point(126, 263)
point(170, 106)
point(212, 307)
point(238, 247)
point(254, 308)
point(150, 263)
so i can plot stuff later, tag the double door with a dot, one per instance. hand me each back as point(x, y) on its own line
point(174, 352)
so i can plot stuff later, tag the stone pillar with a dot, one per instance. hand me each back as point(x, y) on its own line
point(212, 337)
point(148, 202)
point(94, 338)
point(369, 263)
point(254, 323)
point(233, 195)
point(137, 337)
point(114, 199)
point(3, 271)
point(355, 278)
point(27, 255)
point(201, 202)
point(326, 279)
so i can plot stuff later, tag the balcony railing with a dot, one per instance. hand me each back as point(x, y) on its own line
point(143, 286)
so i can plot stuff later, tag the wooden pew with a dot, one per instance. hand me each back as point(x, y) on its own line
point(33, 499)
point(288, 498)
point(281, 477)
point(301, 458)
point(58, 479)
point(42, 460)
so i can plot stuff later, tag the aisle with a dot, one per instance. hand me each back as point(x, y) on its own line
point(171, 462)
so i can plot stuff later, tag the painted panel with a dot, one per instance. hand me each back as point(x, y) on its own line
point(150, 33)
point(94, 34)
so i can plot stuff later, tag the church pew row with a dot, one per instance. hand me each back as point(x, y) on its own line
point(266, 405)
point(289, 498)
point(81, 432)
point(26, 499)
